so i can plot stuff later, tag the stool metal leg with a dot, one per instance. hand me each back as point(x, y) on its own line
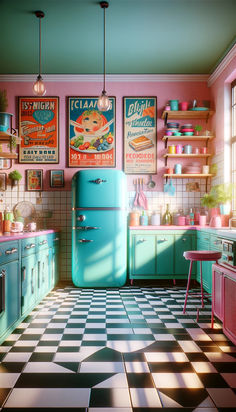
point(202, 293)
point(188, 284)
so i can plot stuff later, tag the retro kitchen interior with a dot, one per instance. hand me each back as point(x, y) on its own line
point(118, 206)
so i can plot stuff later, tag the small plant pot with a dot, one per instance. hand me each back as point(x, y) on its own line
point(5, 121)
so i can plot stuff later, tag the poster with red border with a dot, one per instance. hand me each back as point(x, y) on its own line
point(91, 133)
point(38, 129)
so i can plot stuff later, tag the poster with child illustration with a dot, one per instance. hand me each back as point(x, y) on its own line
point(91, 133)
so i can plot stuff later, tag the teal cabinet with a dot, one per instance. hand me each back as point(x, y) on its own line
point(28, 283)
point(158, 254)
point(165, 254)
point(143, 255)
point(42, 286)
point(54, 243)
point(183, 243)
point(9, 286)
point(203, 243)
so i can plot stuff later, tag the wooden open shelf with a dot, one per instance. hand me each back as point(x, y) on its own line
point(188, 175)
point(8, 155)
point(186, 114)
point(188, 138)
point(203, 155)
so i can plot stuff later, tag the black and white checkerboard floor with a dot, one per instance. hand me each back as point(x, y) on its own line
point(121, 350)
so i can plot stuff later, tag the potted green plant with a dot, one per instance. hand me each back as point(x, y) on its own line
point(198, 129)
point(223, 193)
point(5, 117)
point(15, 177)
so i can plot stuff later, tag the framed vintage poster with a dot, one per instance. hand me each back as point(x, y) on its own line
point(3, 181)
point(140, 135)
point(38, 129)
point(91, 133)
point(34, 180)
point(56, 178)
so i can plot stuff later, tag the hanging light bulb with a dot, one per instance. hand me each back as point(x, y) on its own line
point(104, 102)
point(39, 88)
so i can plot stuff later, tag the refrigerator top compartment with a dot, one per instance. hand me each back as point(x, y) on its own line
point(99, 189)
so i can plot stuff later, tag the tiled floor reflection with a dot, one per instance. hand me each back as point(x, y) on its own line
point(119, 350)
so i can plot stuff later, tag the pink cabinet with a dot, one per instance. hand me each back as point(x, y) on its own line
point(224, 299)
point(229, 320)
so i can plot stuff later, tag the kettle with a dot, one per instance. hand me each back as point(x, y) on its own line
point(215, 221)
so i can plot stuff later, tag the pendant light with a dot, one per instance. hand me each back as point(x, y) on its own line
point(39, 88)
point(104, 102)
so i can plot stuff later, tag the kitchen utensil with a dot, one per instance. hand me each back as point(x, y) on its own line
point(24, 209)
point(171, 188)
point(136, 195)
point(166, 187)
point(151, 184)
point(142, 200)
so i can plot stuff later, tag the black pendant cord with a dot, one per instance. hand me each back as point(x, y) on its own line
point(40, 47)
point(104, 49)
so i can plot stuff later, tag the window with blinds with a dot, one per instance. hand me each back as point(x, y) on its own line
point(233, 144)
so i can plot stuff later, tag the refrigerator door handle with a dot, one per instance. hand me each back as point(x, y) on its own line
point(85, 240)
point(98, 181)
point(87, 227)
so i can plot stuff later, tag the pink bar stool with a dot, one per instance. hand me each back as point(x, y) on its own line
point(198, 255)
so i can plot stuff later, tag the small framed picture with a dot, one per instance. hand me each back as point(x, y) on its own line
point(3, 181)
point(56, 178)
point(34, 180)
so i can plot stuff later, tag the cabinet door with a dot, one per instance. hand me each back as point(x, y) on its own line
point(229, 323)
point(217, 291)
point(9, 295)
point(165, 254)
point(143, 256)
point(43, 273)
point(28, 282)
point(182, 244)
point(204, 244)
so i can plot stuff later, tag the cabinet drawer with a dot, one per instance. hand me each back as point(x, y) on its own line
point(42, 242)
point(53, 240)
point(28, 246)
point(9, 251)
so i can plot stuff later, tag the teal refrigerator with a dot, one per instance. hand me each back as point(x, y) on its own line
point(99, 228)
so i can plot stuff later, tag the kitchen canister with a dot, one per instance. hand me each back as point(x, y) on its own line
point(179, 148)
point(143, 219)
point(156, 219)
point(174, 105)
point(205, 169)
point(172, 149)
point(183, 105)
point(178, 169)
point(188, 149)
point(134, 219)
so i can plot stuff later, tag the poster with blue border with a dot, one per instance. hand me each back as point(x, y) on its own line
point(140, 135)
point(91, 140)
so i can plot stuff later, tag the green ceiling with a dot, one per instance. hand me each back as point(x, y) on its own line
point(143, 36)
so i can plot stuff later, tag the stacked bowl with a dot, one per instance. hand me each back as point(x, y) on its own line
point(187, 129)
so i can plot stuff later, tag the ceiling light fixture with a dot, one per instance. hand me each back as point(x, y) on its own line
point(104, 102)
point(39, 88)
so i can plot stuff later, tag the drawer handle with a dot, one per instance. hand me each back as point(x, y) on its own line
point(23, 273)
point(184, 239)
point(11, 251)
point(30, 246)
point(163, 240)
point(2, 290)
point(57, 238)
point(217, 242)
point(43, 242)
point(143, 240)
point(85, 240)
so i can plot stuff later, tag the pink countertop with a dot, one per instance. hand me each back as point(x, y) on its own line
point(173, 227)
point(23, 235)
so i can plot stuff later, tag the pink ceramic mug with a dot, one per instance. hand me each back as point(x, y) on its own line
point(179, 149)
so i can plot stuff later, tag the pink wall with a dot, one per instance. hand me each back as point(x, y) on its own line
point(220, 93)
point(163, 90)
